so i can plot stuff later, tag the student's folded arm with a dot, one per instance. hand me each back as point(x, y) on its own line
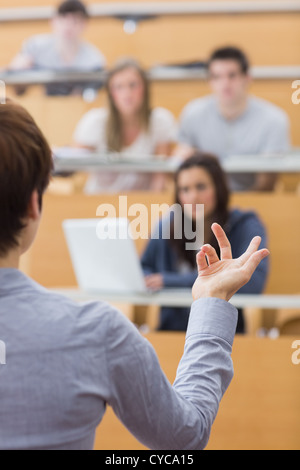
point(21, 62)
point(258, 282)
point(150, 265)
point(186, 144)
point(183, 151)
point(252, 227)
point(161, 416)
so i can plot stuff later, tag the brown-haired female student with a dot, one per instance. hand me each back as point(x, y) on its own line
point(167, 262)
point(129, 126)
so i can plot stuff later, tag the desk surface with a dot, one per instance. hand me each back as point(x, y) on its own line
point(158, 73)
point(181, 298)
point(238, 164)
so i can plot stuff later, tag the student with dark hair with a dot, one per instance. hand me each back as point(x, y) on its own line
point(66, 362)
point(231, 122)
point(231, 53)
point(64, 49)
point(167, 262)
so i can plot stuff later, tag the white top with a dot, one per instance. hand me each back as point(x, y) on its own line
point(91, 132)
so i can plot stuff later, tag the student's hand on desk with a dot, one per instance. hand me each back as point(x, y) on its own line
point(154, 282)
point(223, 278)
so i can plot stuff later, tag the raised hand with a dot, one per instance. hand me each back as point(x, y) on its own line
point(222, 278)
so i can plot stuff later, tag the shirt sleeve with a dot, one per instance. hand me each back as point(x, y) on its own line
point(186, 127)
point(30, 47)
point(161, 416)
point(252, 227)
point(149, 257)
point(90, 131)
point(172, 279)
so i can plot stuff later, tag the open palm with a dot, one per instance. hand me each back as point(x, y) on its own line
point(222, 278)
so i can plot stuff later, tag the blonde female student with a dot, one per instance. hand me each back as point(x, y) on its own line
point(128, 126)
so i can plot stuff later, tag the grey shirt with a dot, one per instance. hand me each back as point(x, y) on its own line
point(262, 129)
point(43, 50)
point(65, 362)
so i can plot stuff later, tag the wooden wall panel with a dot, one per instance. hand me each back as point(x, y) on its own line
point(280, 214)
point(269, 39)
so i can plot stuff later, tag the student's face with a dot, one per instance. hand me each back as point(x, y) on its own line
point(69, 27)
point(195, 186)
point(228, 83)
point(127, 91)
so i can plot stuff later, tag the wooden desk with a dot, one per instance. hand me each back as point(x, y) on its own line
point(261, 409)
point(116, 164)
point(181, 298)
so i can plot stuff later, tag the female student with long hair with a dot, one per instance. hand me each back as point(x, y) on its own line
point(129, 127)
point(167, 263)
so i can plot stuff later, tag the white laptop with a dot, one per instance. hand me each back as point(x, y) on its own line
point(104, 256)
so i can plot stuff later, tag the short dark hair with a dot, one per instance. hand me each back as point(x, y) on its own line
point(231, 53)
point(26, 165)
point(72, 6)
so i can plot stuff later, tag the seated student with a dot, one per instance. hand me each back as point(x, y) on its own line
point(231, 122)
point(64, 49)
point(129, 127)
point(65, 362)
point(166, 263)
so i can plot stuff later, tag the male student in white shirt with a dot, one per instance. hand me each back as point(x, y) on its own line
point(65, 362)
point(232, 122)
